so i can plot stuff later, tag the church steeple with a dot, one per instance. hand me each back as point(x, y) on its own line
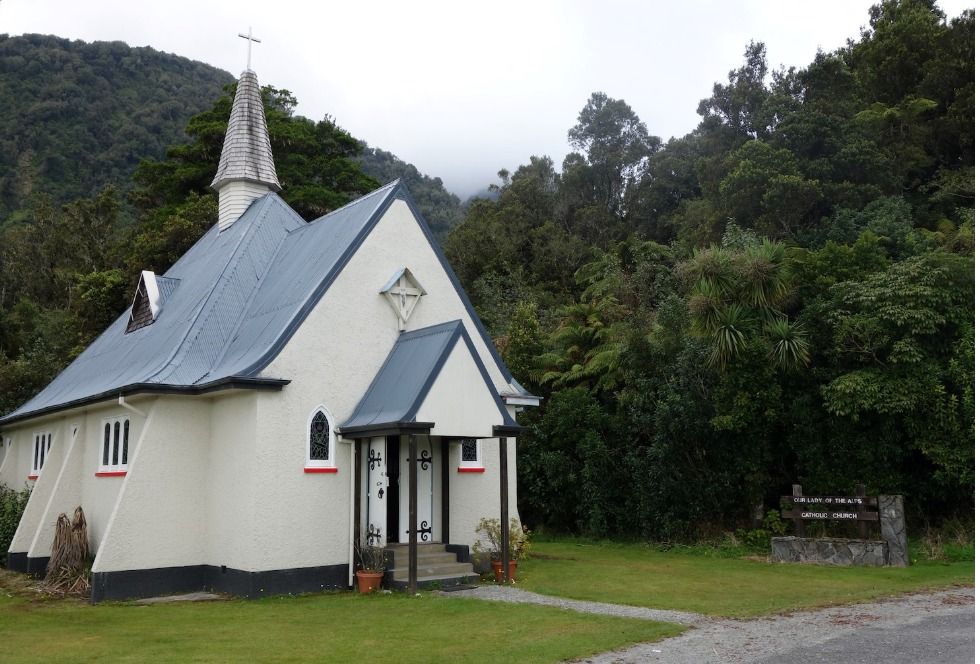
point(246, 170)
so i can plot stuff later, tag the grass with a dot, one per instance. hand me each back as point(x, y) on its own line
point(339, 627)
point(641, 575)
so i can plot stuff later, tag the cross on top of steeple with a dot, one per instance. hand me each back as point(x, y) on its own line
point(250, 39)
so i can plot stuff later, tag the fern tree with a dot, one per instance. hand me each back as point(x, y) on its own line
point(740, 293)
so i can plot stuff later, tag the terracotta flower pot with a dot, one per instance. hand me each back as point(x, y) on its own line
point(368, 582)
point(498, 570)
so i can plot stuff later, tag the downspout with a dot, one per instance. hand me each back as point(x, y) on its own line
point(125, 404)
point(350, 552)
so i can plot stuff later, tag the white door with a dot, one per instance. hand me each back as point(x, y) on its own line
point(425, 471)
point(377, 488)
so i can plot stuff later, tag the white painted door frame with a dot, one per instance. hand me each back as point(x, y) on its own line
point(376, 492)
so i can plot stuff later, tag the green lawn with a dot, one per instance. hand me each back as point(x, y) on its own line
point(339, 627)
point(644, 576)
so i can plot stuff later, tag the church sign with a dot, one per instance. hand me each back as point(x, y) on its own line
point(853, 508)
point(858, 508)
point(886, 513)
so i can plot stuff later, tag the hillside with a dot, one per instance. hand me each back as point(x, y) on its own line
point(441, 209)
point(78, 116)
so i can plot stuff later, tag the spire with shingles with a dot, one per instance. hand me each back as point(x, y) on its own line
point(246, 170)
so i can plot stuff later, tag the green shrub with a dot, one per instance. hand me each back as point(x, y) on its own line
point(950, 543)
point(758, 538)
point(12, 504)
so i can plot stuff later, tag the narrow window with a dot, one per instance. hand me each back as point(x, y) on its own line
point(115, 443)
point(125, 452)
point(114, 458)
point(469, 450)
point(42, 445)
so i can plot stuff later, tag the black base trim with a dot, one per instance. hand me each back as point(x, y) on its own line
point(131, 584)
point(17, 562)
point(38, 567)
point(134, 583)
point(280, 581)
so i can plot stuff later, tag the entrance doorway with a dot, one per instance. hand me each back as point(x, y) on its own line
point(385, 492)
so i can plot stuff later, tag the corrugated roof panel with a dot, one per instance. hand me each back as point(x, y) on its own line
point(396, 391)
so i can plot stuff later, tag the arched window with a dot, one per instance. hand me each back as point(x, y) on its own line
point(320, 442)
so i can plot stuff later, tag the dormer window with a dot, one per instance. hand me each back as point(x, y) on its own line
point(403, 292)
point(151, 293)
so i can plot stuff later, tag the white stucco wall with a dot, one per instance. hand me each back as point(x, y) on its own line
point(100, 494)
point(44, 486)
point(233, 479)
point(458, 402)
point(59, 488)
point(331, 359)
point(301, 519)
point(160, 516)
point(477, 495)
point(10, 467)
point(68, 478)
point(16, 466)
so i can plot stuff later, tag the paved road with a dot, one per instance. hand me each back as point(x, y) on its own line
point(928, 628)
point(948, 639)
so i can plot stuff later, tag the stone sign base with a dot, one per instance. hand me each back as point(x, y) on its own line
point(829, 551)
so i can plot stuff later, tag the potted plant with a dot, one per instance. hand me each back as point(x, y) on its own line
point(490, 543)
point(372, 561)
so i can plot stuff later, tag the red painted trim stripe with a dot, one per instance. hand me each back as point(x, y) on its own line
point(32, 477)
point(319, 469)
point(467, 469)
point(110, 473)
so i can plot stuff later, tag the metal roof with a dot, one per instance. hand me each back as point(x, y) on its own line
point(404, 380)
point(233, 301)
point(246, 153)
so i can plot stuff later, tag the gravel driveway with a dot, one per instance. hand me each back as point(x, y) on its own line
point(929, 627)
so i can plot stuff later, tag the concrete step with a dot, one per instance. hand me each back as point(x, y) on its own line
point(436, 567)
point(425, 583)
point(426, 558)
point(453, 569)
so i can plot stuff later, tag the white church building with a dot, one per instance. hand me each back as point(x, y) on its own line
point(254, 414)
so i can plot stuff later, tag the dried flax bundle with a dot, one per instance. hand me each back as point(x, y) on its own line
point(67, 571)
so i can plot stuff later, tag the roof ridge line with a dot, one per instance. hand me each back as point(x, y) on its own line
point(249, 232)
point(431, 329)
point(458, 332)
point(251, 297)
point(393, 184)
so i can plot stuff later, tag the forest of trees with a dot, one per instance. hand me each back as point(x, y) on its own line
point(78, 116)
point(784, 295)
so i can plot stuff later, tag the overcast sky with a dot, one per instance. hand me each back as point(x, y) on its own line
point(463, 89)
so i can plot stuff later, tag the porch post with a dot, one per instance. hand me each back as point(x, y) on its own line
point(504, 511)
point(445, 491)
point(413, 513)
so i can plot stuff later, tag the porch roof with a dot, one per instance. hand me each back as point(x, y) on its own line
point(392, 402)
